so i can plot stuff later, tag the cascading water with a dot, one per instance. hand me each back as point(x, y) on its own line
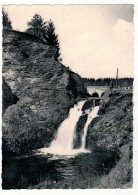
point(64, 140)
point(92, 114)
point(63, 144)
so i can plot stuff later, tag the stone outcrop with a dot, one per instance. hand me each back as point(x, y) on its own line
point(8, 98)
point(77, 141)
point(76, 85)
point(114, 126)
point(112, 130)
point(41, 85)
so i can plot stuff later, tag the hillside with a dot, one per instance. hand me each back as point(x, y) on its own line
point(36, 92)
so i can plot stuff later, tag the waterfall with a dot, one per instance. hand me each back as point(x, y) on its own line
point(92, 114)
point(64, 140)
point(63, 143)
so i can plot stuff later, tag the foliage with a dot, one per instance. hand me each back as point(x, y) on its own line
point(122, 82)
point(6, 20)
point(37, 26)
point(44, 31)
point(52, 38)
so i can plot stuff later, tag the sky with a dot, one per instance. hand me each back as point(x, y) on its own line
point(95, 40)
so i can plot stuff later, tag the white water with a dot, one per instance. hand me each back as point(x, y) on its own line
point(63, 144)
point(91, 116)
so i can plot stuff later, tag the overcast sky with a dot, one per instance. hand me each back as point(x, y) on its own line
point(95, 40)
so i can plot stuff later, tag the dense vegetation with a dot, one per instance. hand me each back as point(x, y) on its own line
point(122, 82)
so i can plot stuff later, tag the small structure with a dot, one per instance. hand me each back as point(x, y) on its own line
point(99, 92)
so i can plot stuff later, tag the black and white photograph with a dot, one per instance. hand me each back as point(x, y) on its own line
point(67, 96)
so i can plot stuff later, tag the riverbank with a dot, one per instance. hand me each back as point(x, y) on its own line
point(37, 171)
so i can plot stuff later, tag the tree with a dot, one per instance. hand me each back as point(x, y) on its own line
point(44, 31)
point(37, 26)
point(52, 39)
point(6, 21)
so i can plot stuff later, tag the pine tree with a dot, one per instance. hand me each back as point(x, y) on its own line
point(6, 21)
point(37, 26)
point(44, 31)
point(52, 39)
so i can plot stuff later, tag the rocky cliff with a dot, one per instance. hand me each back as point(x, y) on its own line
point(42, 87)
point(114, 124)
point(112, 130)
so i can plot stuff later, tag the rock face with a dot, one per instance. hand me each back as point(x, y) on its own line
point(77, 141)
point(76, 85)
point(114, 126)
point(8, 98)
point(42, 86)
point(113, 131)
